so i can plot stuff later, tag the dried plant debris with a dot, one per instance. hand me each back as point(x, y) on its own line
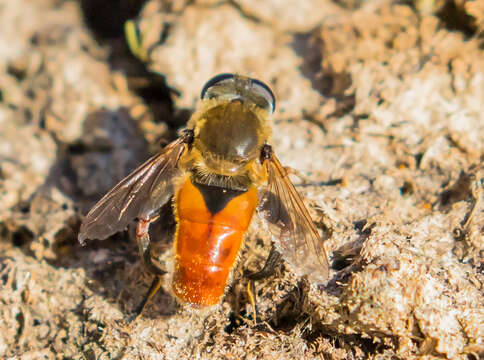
point(379, 105)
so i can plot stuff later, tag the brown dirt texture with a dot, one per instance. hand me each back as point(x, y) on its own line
point(379, 106)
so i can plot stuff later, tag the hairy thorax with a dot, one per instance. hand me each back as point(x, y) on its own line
point(228, 139)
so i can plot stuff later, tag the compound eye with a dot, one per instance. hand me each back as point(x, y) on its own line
point(218, 81)
point(265, 93)
point(235, 87)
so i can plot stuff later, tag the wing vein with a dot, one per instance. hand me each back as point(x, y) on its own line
point(145, 190)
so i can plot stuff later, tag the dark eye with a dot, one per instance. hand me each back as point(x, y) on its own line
point(265, 91)
point(216, 80)
point(231, 87)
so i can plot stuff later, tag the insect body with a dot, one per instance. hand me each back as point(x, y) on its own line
point(220, 171)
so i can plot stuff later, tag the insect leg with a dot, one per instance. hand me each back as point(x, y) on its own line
point(251, 295)
point(144, 248)
point(267, 270)
point(269, 267)
point(155, 286)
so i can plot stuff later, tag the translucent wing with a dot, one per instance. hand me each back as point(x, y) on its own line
point(145, 190)
point(290, 224)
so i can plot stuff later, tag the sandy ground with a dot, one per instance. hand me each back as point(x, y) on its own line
point(379, 105)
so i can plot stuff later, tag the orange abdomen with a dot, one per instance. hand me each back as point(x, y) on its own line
point(211, 224)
